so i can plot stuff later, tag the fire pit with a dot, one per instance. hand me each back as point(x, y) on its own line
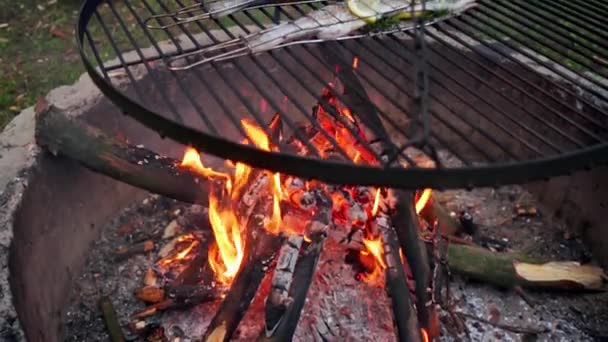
point(364, 249)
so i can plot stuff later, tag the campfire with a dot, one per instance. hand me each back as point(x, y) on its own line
point(270, 223)
point(254, 246)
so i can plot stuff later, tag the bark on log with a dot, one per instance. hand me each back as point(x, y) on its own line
point(396, 284)
point(406, 225)
point(145, 169)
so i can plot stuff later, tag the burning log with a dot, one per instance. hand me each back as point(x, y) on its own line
point(109, 316)
point(396, 283)
point(260, 251)
point(406, 224)
point(283, 328)
point(278, 300)
point(63, 135)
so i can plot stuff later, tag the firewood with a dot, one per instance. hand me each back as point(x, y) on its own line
point(125, 252)
point(406, 225)
point(260, 250)
point(278, 299)
point(109, 316)
point(62, 135)
point(284, 328)
point(508, 270)
point(192, 294)
point(178, 298)
point(396, 284)
point(150, 294)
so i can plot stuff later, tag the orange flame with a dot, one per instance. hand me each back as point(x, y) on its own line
point(376, 205)
point(355, 62)
point(181, 255)
point(374, 246)
point(274, 225)
point(424, 335)
point(423, 200)
point(192, 161)
point(256, 135)
point(226, 254)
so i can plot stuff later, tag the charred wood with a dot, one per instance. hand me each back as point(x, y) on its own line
point(278, 300)
point(406, 225)
point(97, 151)
point(396, 284)
point(284, 328)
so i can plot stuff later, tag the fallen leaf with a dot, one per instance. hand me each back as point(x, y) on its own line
point(568, 275)
point(3, 40)
point(3, 25)
point(14, 109)
point(59, 33)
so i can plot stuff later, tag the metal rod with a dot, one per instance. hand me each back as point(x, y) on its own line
point(156, 82)
point(586, 40)
point(532, 97)
point(179, 81)
point(505, 55)
point(549, 38)
point(467, 20)
point(527, 44)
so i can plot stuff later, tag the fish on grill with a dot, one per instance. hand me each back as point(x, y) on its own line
point(331, 22)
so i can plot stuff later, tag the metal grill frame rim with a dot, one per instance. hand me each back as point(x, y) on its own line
point(339, 172)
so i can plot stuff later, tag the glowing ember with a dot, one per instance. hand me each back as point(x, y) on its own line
point(355, 62)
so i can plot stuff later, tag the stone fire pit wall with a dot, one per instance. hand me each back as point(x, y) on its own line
point(51, 209)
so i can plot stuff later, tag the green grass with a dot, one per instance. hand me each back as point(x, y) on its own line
point(37, 51)
point(38, 47)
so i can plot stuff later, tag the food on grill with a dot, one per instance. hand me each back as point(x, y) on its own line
point(327, 23)
point(220, 8)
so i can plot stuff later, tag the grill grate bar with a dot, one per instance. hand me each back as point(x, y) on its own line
point(437, 100)
point(497, 66)
point(494, 106)
point(93, 48)
point(512, 59)
point(530, 43)
point(452, 92)
point(566, 46)
point(312, 92)
point(481, 110)
point(108, 35)
point(133, 42)
point(466, 19)
point(388, 79)
point(180, 83)
point(534, 98)
point(574, 16)
point(589, 9)
point(557, 22)
point(245, 102)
